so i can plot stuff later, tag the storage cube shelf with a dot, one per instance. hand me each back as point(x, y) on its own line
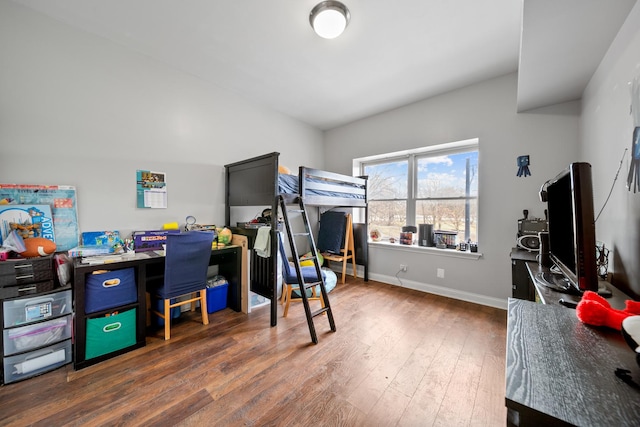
point(107, 334)
point(109, 290)
point(110, 310)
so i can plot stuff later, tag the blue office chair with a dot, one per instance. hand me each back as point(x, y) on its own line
point(185, 273)
point(290, 281)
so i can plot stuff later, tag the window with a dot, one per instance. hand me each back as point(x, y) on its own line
point(435, 185)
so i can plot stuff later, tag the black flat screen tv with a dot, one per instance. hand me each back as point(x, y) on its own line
point(572, 234)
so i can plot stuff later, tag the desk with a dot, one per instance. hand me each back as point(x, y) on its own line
point(520, 283)
point(148, 266)
point(561, 372)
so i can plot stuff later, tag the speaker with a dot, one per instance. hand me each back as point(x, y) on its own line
point(360, 243)
point(529, 242)
point(425, 235)
point(544, 259)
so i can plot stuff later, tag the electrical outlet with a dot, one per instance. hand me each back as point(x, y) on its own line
point(441, 273)
point(403, 267)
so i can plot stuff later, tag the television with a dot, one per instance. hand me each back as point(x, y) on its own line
point(571, 226)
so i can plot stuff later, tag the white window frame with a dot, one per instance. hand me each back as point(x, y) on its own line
point(434, 150)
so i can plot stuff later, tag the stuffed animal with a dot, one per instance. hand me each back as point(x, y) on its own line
point(38, 246)
point(596, 311)
point(631, 334)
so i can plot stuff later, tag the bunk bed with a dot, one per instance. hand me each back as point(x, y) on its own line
point(256, 182)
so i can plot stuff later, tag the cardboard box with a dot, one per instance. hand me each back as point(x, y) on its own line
point(150, 240)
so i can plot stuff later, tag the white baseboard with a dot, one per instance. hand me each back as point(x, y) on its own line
point(442, 291)
point(425, 287)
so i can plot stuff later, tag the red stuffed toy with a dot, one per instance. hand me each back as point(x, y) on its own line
point(595, 310)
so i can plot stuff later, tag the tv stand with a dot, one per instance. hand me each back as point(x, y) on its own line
point(555, 281)
point(560, 371)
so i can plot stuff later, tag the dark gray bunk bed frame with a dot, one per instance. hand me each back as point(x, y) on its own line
point(254, 182)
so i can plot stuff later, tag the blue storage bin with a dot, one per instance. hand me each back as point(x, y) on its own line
point(217, 297)
point(110, 290)
point(158, 304)
point(110, 333)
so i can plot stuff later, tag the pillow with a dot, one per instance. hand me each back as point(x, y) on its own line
point(284, 170)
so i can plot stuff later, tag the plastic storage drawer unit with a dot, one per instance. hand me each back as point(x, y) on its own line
point(36, 308)
point(30, 337)
point(110, 333)
point(26, 365)
point(109, 290)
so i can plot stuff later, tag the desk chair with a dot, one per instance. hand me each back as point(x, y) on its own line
point(335, 240)
point(185, 273)
point(290, 280)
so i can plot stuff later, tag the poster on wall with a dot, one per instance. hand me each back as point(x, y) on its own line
point(151, 189)
point(27, 220)
point(633, 178)
point(61, 200)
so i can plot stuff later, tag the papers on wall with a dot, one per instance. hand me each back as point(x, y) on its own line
point(151, 189)
point(60, 198)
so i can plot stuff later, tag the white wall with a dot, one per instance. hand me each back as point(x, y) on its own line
point(80, 110)
point(606, 129)
point(486, 111)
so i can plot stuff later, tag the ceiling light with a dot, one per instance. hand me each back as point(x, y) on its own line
point(329, 19)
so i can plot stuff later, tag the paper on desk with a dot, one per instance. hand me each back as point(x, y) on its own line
point(106, 259)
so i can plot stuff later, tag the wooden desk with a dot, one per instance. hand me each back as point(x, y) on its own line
point(148, 266)
point(560, 371)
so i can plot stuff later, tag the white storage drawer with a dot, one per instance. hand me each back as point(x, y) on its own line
point(27, 310)
point(29, 337)
point(27, 365)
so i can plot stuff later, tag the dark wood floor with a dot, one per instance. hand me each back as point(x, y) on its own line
point(399, 357)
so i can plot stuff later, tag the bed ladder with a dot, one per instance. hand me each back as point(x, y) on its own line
point(295, 204)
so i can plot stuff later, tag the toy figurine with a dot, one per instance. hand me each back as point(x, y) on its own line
point(523, 166)
point(596, 311)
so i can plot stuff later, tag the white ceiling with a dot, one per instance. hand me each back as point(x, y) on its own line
point(562, 44)
point(392, 53)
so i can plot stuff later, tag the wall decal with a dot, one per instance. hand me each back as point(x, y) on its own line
point(523, 166)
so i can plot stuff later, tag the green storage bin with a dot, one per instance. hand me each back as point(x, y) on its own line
point(108, 334)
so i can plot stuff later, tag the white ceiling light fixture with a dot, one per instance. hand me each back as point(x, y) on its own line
point(329, 19)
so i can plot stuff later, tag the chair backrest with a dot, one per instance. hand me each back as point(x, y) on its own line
point(186, 263)
point(289, 274)
point(331, 235)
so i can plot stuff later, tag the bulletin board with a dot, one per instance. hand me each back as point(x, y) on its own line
point(62, 200)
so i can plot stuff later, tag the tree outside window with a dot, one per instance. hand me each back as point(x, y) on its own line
point(428, 186)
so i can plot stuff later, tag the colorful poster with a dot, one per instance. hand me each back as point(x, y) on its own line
point(151, 189)
point(27, 220)
point(60, 198)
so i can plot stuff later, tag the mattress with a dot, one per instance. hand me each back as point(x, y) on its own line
point(288, 184)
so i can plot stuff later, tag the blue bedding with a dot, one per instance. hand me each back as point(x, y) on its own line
point(288, 184)
point(330, 281)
